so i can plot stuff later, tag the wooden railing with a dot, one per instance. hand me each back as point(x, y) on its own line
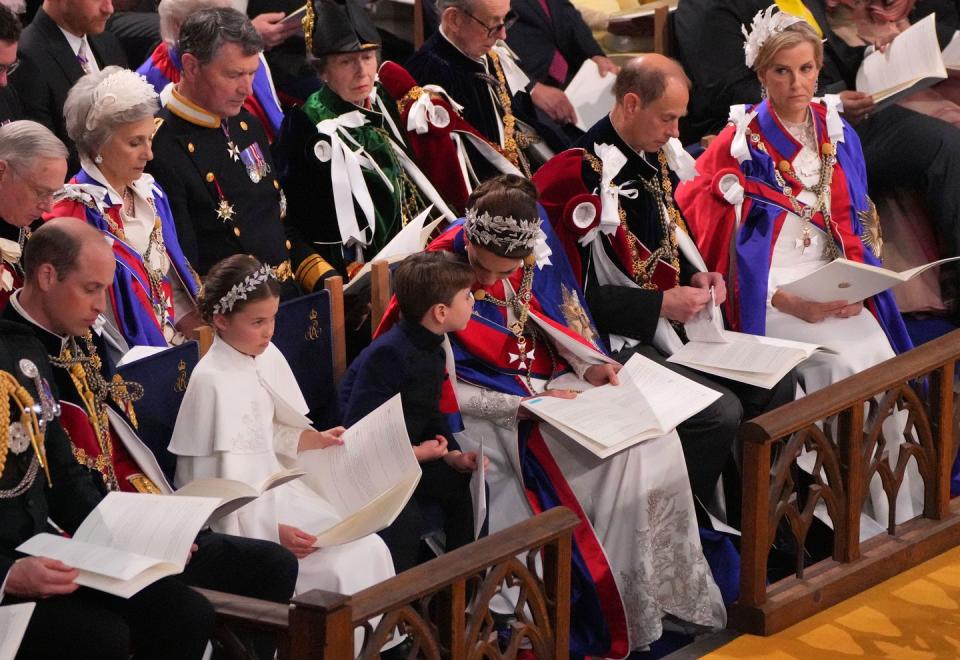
point(843, 425)
point(442, 606)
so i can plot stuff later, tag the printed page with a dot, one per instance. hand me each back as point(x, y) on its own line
point(737, 356)
point(707, 324)
point(155, 526)
point(674, 397)
point(376, 455)
point(590, 94)
point(913, 56)
point(13, 624)
point(107, 561)
point(951, 54)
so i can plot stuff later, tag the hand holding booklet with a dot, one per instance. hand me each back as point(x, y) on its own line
point(368, 479)
point(842, 279)
point(129, 541)
point(911, 62)
point(750, 359)
point(650, 401)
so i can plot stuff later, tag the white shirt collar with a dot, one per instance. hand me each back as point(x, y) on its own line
point(75, 41)
point(142, 187)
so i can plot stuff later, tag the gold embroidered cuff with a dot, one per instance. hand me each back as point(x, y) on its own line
point(311, 270)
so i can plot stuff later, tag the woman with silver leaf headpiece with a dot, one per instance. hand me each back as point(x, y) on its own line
point(782, 191)
point(637, 553)
point(109, 115)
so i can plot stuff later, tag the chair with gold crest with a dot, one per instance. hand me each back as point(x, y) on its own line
point(164, 377)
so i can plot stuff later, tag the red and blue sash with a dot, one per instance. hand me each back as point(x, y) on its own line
point(130, 296)
point(163, 67)
point(712, 220)
point(482, 353)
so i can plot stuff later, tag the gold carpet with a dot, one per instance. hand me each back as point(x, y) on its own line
point(914, 616)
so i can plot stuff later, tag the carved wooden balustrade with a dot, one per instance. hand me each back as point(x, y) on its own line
point(843, 427)
point(442, 606)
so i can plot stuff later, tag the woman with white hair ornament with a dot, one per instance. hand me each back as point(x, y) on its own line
point(109, 115)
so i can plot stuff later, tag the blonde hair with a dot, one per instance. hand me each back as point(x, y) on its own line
point(791, 36)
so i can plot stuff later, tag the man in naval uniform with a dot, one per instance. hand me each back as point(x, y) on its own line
point(165, 620)
point(212, 157)
point(611, 203)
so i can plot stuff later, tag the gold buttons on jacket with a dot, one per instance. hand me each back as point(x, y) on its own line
point(210, 177)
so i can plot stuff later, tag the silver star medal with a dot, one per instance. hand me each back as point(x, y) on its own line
point(233, 151)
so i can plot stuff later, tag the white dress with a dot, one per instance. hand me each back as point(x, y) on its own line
point(638, 502)
point(858, 341)
point(235, 423)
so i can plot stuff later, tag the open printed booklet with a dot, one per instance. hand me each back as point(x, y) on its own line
point(911, 62)
point(232, 494)
point(368, 479)
point(129, 541)
point(650, 401)
point(410, 240)
point(750, 359)
point(842, 279)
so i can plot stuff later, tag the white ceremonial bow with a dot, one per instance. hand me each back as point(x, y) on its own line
point(347, 178)
point(541, 250)
point(739, 148)
point(517, 80)
point(423, 111)
point(612, 161)
point(834, 123)
point(10, 253)
point(679, 160)
point(729, 185)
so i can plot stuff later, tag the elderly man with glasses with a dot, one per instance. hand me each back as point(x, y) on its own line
point(468, 58)
point(33, 166)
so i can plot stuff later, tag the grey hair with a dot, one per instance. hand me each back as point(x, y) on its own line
point(174, 12)
point(205, 32)
point(23, 142)
point(79, 104)
point(456, 4)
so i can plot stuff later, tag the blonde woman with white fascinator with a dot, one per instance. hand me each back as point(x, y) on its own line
point(782, 191)
point(110, 116)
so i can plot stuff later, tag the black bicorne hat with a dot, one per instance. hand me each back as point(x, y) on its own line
point(338, 26)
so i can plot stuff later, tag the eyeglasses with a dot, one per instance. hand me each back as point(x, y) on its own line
point(43, 195)
point(9, 68)
point(493, 31)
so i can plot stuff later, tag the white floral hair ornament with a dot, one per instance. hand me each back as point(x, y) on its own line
point(242, 289)
point(507, 233)
point(766, 23)
point(118, 92)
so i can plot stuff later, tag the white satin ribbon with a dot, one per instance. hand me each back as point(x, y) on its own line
point(612, 161)
point(516, 79)
point(347, 178)
point(739, 117)
point(732, 191)
point(679, 160)
point(9, 253)
point(423, 113)
point(541, 250)
point(834, 123)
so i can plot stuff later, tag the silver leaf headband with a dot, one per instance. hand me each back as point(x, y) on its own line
point(240, 290)
point(508, 233)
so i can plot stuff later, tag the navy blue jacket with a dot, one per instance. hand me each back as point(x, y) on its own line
point(408, 359)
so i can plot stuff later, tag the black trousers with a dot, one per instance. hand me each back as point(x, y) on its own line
point(708, 437)
point(167, 620)
point(907, 148)
point(442, 491)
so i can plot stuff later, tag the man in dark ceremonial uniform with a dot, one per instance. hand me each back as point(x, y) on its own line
point(166, 619)
point(467, 58)
point(212, 157)
point(611, 203)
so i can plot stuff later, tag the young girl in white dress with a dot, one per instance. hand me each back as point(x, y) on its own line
point(242, 418)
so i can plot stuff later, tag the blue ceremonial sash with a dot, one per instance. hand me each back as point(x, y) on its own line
point(130, 291)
